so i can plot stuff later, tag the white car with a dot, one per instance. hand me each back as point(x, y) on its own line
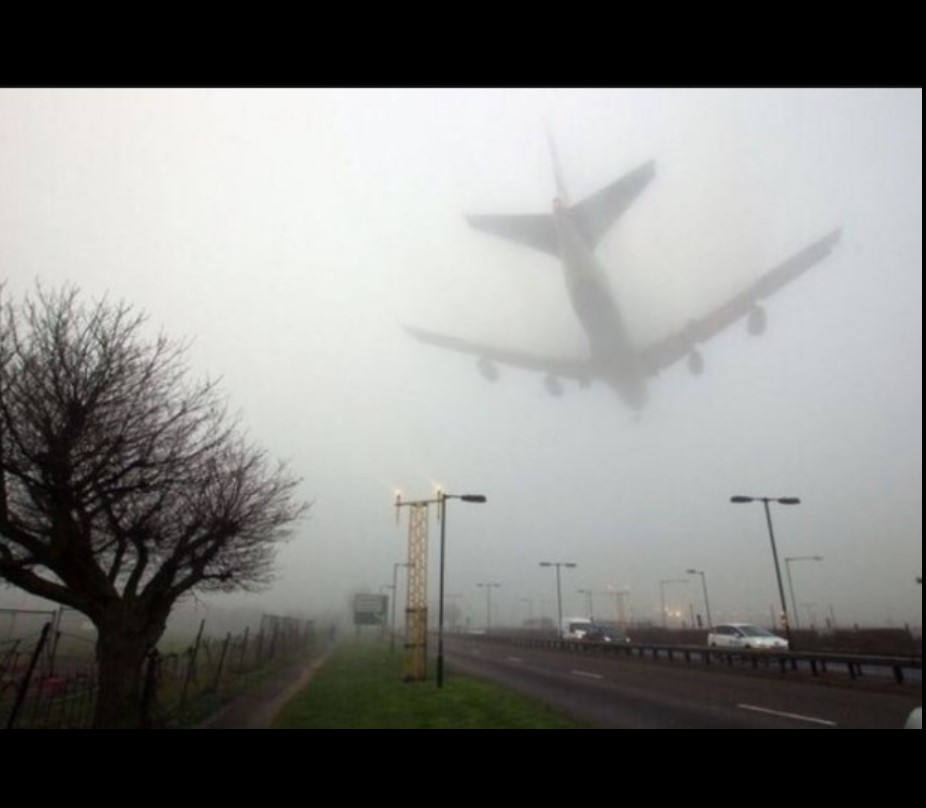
point(745, 635)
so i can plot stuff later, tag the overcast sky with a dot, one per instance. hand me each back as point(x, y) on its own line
point(292, 233)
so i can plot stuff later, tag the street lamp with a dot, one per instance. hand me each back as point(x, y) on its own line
point(559, 591)
point(589, 603)
point(488, 586)
point(619, 595)
point(382, 589)
point(788, 560)
point(771, 534)
point(442, 498)
point(662, 594)
point(530, 611)
point(395, 591)
point(707, 605)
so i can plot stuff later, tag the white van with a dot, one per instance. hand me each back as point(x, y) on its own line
point(574, 628)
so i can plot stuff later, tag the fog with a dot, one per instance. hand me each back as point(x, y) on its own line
point(291, 234)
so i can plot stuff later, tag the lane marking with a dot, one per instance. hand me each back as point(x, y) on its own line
point(795, 716)
point(587, 674)
point(514, 659)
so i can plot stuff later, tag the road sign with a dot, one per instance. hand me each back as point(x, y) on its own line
point(370, 610)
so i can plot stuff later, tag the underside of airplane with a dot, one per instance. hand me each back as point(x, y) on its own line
point(571, 233)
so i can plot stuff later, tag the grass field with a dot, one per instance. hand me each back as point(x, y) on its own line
point(360, 687)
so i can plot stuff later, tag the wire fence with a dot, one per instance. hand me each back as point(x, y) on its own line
point(48, 670)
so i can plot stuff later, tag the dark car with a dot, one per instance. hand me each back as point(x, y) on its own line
point(603, 634)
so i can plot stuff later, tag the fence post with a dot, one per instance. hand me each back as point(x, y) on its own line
point(53, 647)
point(273, 641)
point(218, 673)
point(149, 688)
point(244, 648)
point(24, 686)
point(191, 668)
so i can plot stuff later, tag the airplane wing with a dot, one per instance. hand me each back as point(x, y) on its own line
point(595, 214)
point(677, 346)
point(537, 230)
point(579, 369)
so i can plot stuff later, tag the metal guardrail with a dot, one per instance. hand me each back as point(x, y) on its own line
point(818, 663)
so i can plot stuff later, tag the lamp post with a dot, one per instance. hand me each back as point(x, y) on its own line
point(454, 616)
point(619, 595)
point(395, 575)
point(662, 595)
point(442, 498)
point(382, 590)
point(589, 603)
point(811, 613)
point(707, 605)
point(771, 534)
point(530, 611)
point(488, 586)
point(788, 560)
point(559, 590)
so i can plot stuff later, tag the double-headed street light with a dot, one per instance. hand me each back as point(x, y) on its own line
point(662, 595)
point(707, 605)
point(442, 498)
point(771, 534)
point(559, 590)
point(788, 560)
point(589, 602)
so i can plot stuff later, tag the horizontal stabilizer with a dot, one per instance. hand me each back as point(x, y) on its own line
point(535, 230)
point(595, 214)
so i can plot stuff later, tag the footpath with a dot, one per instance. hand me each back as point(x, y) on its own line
point(258, 708)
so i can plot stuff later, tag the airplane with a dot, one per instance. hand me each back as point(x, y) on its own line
point(571, 232)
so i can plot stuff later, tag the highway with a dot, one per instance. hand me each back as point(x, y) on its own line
point(628, 693)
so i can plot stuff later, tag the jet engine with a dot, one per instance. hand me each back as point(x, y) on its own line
point(554, 386)
point(755, 322)
point(696, 363)
point(488, 369)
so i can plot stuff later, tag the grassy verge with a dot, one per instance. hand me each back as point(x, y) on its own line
point(360, 687)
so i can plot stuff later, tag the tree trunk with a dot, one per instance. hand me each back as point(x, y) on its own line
point(122, 649)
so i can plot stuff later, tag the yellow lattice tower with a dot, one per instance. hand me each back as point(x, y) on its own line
point(416, 610)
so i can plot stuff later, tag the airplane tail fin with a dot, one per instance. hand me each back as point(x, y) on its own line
point(561, 193)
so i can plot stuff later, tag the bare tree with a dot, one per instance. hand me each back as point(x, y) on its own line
point(123, 484)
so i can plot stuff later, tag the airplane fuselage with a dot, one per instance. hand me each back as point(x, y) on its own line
point(609, 342)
